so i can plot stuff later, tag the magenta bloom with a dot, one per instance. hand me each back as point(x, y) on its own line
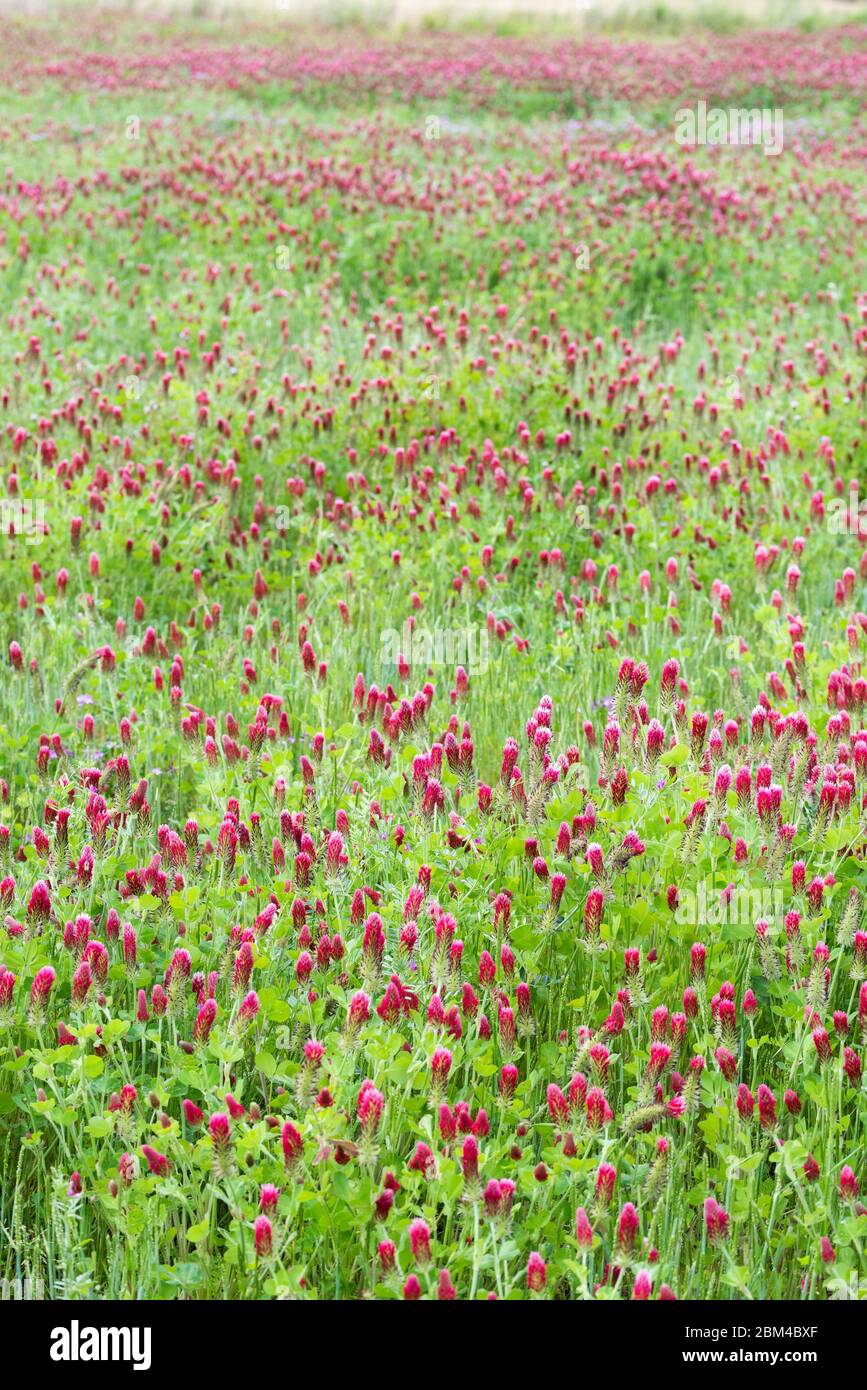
point(371, 1103)
point(593, 912)
point(849, 1185)
point(446, 1291)
point(359, 1012)
point(219, 1130)
point(419, 1239)
point(39, 903)
point(205, 1021)
point(599, 1112)
point(767, 1107)
point(606, 1177)
point(40, 991)
point(269, 1196)
point(822, 1044)
point(508, 1081)
point(293, 1144)
point(627, 1227)
point(192, 1114)
point(157, 1162)
point(440, 1067)
point(716, 1220)
point(7, 984)
point(263, 1237)
point(537, 1273)
point(470, 1159)
point(583, 1230)
point(852, 1066)
point(387, 1252)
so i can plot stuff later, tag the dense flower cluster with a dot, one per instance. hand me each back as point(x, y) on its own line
point(325, 969)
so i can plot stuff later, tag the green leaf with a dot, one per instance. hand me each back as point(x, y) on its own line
point(266, 1064)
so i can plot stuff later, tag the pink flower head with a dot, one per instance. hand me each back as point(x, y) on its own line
point(445, 1288)
point(263, 1237)
point(293, 1144)
point(822, 1044)
point(441, 1063)
point(627, 1227)
point(205, 1021)
point(81, 982)
point(7, 985)
point(716, 1220)
point(606, 1177)
point(419, 1239)
point(157, 1162)
point(219, 1130)
point(558, 1106)
point(767, 1107)
point(536, 1273)
point(359, 1012)
point(849, 1185)
point(249, 1008)
point(599, 1112)
point(370, 1107)
point(269, 1196)
point(852, 1066)
point(39, 904)
point(387, 1252)
point(583, 1230)
point(508, 1081)
point(40, 991)
point(192, 1114)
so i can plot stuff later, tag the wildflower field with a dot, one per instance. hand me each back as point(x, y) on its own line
point(433, 730)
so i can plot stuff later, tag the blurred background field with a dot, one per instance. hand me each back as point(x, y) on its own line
point(519, 18)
